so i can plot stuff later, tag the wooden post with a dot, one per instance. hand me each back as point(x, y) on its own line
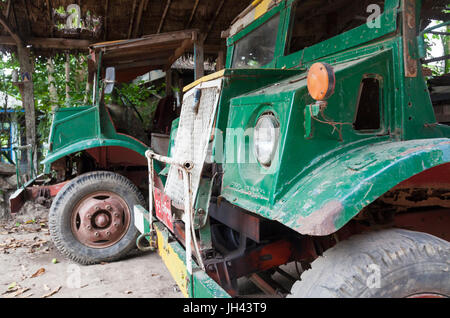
point(169, 82)
point(199, 58)
point(27, 92)
point(220, 65)
point(26, 87)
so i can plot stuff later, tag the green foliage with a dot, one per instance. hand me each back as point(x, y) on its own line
point(431, 41)
point(140, 96)
point(77, 84)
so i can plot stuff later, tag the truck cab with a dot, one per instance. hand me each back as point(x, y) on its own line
point(317, 149)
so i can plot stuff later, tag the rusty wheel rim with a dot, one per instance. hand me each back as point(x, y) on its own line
point(100, 219)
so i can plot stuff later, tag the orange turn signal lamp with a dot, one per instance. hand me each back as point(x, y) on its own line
point(321, 81)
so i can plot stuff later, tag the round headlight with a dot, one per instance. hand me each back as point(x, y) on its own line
point(267, 132)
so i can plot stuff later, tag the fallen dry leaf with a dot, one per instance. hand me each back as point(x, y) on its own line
point(39, 272)
point(128, 292)
point(54, 291)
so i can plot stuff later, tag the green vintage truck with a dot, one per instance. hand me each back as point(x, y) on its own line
point(317, 148)
point(316, 164)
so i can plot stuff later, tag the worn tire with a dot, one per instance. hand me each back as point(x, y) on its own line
point(72, 193)
point(409, 263)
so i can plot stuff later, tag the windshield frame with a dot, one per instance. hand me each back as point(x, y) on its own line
point(280, 42)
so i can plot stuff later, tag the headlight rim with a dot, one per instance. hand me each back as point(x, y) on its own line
point(276, 125)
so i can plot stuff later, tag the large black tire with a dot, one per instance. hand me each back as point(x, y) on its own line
point(408, 263)
point(60, 217)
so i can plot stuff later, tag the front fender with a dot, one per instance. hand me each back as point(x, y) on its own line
point(95, 143)
point(330, 196)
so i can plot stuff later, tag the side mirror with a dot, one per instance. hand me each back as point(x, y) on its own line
point(110, 79)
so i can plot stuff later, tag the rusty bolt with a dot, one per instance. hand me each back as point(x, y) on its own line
point(116, 215)
point(89, 216)
point(108, 207)
point(108, 233)
point(96, 234)
point(89, 227)
point(116, 224)
point(97, 208)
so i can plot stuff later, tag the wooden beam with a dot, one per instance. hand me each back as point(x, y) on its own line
point(178, 53)
point(49, 43)
point(163, 18)
point(211, 24)
point(138, 20)
point(16, 37)
point(130, 28)
point(192, 14)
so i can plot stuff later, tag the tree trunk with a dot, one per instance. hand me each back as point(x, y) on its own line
point(27, 92)
point(447, 50)
point(67, 77)
point(51, 85)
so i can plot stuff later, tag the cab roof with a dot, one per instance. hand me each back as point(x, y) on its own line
point(135, 57)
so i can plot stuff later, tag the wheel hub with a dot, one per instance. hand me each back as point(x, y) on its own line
point(100, 220)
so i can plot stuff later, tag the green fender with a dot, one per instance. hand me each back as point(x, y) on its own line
point(124, 142)
point(333, 193)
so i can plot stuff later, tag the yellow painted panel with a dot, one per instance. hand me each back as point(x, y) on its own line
point(173, 263)
point(207, 78)
point(262, 8)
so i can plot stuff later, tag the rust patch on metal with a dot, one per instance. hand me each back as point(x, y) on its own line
point(322, 221)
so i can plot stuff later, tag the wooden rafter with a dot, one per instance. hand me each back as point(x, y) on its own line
point(50, 16)
point(192, 14)
point(211, 24)
point(27, 13)
point(133, 11)
point(163, 18)
point(138, 20)
point(8, 9)
point(15, 16)
point(14, 36)
point(106, 20)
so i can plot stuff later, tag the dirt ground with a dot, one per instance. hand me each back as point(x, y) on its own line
point(31, 266)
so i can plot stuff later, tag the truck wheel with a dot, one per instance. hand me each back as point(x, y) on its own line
point(91, 219)
point(392, 263)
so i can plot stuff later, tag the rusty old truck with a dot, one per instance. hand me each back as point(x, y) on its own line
point(317, 149)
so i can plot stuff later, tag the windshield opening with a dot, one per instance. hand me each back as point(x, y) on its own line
point(258, 47)
point(316, 21)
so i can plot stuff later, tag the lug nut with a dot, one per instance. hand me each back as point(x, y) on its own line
point(116, 215)
point(97, 208)
point(108, 233)
point(89, 227)
point(89, 216)
point(108, 207)
point(96, 234)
